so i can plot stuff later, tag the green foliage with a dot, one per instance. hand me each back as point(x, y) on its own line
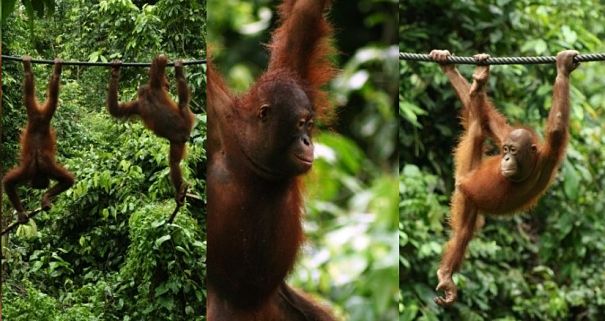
point(350, 221)
point(544, 265)
point(38, 7)
point(104, 252)
point(166, 275)
point(46, 307)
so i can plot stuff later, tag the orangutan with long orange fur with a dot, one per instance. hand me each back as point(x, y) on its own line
point(259, 145)
point(510, 182)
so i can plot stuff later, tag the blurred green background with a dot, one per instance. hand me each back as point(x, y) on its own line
point(349, 259)
point(103, 251)
point(543, 265)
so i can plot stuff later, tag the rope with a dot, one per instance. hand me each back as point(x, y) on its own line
point(501, 60)
point(89, 63)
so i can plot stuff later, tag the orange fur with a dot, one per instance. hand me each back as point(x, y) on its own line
point(165, 117)
point(255, 202)
point(38, 145)
point(481, 187)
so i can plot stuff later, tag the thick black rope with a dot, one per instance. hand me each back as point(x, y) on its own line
point(500, 60)
point(88, 63)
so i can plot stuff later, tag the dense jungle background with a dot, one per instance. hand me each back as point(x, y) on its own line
point(104, 251)
point(546, 264)
point(349, 259)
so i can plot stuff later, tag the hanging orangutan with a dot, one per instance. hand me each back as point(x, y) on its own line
point(507, 183)
point(166, 118)
point(37, 165)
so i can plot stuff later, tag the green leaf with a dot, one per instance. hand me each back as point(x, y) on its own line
point(162, 239)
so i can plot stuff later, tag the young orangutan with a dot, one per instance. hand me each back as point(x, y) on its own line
point(259, 145)
point(510, 182)
point(37, 165)
point(159, 113)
